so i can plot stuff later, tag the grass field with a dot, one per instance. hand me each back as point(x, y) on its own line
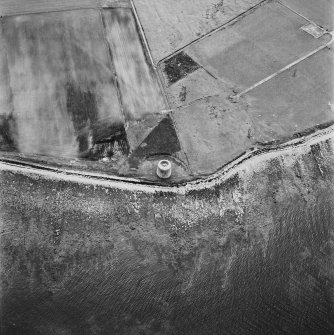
point(172, 24)
point(245, 52)
point(320, 11)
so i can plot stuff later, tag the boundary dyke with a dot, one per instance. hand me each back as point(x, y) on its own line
point(255, 155)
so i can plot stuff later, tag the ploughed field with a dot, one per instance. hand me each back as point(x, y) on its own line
point(71, 81)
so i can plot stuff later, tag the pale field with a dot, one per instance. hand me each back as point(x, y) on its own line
point(12, 7)
point(139, 87)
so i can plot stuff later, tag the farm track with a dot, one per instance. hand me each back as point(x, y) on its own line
point(256, 155)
